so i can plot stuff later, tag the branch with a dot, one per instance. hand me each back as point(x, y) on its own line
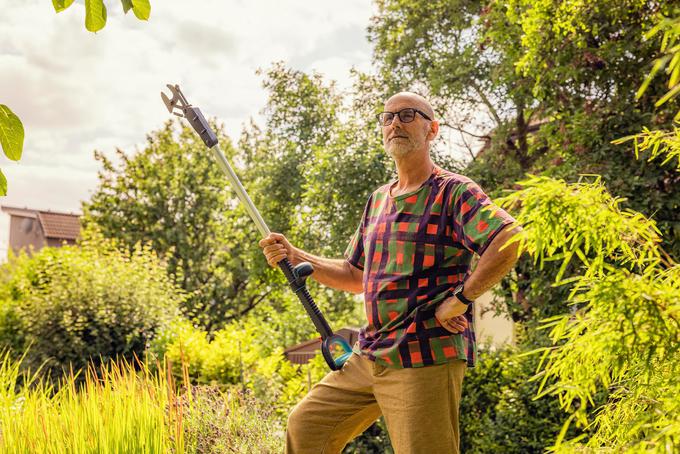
point(252, 303)
point(487, 103)
point(461, 130)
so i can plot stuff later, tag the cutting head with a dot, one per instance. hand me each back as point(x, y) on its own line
point(178, 104)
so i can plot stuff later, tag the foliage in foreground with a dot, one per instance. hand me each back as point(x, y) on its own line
point(121, 410)
point(95, 11)
point(622, 334)
point(72, 305)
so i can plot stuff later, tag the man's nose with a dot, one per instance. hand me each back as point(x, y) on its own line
point(396, 121)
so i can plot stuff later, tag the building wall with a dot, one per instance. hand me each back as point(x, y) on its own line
point(4, 236)
point(25, 231)
point(494, 330)
point(58, 242)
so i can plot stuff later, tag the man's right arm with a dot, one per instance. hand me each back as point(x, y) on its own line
point(335, 273)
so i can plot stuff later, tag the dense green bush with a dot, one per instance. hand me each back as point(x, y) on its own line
point(499, 410)
point(74, 304)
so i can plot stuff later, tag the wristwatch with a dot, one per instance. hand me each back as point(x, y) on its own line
point(458, 293)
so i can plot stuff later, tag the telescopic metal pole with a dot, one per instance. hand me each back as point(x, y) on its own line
point(296, 276)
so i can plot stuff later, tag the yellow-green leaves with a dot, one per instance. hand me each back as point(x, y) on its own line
point(668, 61)
point(11, 139)
point(95, 15)
point(61, 5)
point(11, 133)
point(621, 334)
point(95, 11)
point(564, 221)
point(142, 9)
point(657, 143)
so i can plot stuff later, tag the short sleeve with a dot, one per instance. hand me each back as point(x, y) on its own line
point(476, 219)
point(354, 253)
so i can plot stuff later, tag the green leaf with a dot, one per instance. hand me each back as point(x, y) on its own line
point(142, 9)
point(671, 93)
point(3, 184)
point(127, 4)
point(61, 5)
point(95, 15)
point(11, 133)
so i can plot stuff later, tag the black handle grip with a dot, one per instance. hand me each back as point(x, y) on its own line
point(300, 289)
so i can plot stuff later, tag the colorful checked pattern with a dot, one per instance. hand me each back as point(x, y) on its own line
point(412, 249)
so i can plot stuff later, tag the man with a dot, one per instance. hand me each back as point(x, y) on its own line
point(410, 256)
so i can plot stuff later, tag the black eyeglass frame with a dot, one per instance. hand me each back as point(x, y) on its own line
point(398, 114)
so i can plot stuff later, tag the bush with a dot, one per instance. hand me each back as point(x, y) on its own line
point(238, 354)
point(73, 304)
point(499, 410)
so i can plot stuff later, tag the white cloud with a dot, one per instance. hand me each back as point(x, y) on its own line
point(76, 91)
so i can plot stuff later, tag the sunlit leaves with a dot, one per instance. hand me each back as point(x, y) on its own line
point(668, 61)
point(95, 11)
point(95, 15)
point(657, 143)
point(553, 214)
point(141, 8)
point(623, 333)
point(61, 5)
point(11, 133)
point(11, 139)
point(3, 184)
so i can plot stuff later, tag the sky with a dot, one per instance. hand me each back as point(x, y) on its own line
point(77, 92)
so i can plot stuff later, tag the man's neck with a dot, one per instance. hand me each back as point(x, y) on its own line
point(413, 171)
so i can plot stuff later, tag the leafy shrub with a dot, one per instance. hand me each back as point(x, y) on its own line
point(499, 410)
point(238, 354)
point(73, 304)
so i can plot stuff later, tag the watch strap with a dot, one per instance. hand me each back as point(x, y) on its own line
point(458, 293)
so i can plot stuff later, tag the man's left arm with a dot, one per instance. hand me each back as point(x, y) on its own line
point(493, 265)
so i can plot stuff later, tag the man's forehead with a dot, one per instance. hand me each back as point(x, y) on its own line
point(408, 99)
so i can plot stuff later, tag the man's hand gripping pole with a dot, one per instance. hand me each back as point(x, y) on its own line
point(335, 349)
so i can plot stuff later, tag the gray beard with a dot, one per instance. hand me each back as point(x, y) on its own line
point(398, 152)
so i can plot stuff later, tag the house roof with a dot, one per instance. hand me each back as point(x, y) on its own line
point(58, 225)
point(65, 226)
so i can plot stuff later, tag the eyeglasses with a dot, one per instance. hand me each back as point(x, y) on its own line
point(405, 116)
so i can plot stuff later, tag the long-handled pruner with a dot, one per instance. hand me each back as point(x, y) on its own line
point(335, 349)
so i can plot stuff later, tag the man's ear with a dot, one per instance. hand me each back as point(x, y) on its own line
point(434, 130)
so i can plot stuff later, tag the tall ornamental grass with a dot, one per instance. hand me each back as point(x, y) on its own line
point(123, 410)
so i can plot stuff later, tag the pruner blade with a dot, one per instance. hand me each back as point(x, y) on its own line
point(177, 103)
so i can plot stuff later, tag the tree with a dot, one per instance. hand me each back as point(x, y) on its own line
point(544, 87)
point(172, 196)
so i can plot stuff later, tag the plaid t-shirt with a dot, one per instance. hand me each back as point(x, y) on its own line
point(413, 248)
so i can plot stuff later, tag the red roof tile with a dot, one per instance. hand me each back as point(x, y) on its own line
point(58, 225)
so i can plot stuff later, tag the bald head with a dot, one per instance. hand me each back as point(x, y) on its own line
point(412, 100)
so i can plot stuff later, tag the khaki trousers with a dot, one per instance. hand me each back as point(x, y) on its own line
point(420, 406)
